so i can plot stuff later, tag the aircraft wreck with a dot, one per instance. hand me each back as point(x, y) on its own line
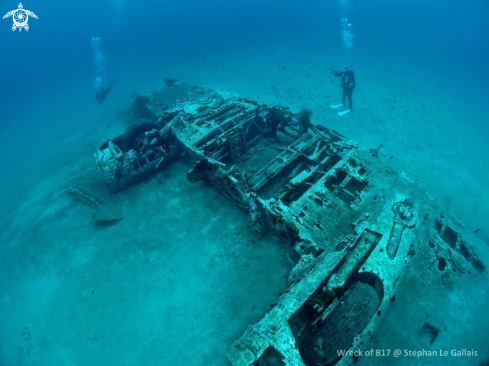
point(351, 223)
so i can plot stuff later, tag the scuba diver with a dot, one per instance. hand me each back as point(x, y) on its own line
point(347, 84)
point(102, 92)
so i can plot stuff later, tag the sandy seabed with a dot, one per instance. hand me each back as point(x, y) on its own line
point(181, 276)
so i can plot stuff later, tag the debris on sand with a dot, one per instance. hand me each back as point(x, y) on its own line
point(105, 211)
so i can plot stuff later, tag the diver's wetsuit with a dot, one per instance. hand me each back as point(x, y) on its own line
point(347, 87)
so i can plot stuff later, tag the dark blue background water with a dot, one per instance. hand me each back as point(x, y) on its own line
point(51, 65)
point(444, 38)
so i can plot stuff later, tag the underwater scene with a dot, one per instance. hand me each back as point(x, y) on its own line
point(236, 183)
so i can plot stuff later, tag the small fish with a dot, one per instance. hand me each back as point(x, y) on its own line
point(102, 93)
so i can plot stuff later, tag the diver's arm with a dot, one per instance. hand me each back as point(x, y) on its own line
point(354, 82)
point(337, 73)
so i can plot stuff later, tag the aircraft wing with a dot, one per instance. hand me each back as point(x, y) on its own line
point(31, 14)
point(9, 14)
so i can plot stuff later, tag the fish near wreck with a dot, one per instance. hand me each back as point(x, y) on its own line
point(351, 223)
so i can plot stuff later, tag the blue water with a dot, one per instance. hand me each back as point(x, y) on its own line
point(449, 39)
point(417, 51)
point(436, 42)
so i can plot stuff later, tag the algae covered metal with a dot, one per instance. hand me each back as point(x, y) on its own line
point(350, 222)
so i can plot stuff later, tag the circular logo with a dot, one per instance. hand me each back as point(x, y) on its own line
point(20, 18)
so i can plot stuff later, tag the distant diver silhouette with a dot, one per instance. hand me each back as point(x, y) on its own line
point(102, 93)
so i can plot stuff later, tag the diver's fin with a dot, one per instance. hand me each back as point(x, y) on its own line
point(334, 106)
point(344, 112)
